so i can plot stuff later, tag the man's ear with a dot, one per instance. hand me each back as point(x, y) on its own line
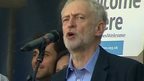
point(100, 28)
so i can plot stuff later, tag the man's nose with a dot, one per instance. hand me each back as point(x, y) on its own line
point(71, 22)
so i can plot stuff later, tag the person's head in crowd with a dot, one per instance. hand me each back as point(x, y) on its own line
point(51, 55)
point(62, 61)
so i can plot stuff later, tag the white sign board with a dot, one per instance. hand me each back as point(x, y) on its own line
point(124, 33)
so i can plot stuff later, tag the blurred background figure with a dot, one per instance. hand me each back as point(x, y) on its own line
point(51, 54)
point(3, 78)
point(63, 61)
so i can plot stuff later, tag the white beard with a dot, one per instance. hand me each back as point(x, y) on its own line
point(73, 44)
point(81, 42)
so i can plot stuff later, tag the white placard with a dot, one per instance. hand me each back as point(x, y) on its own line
point(125, 28)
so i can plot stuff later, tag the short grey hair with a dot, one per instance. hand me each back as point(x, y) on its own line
point(99, 10)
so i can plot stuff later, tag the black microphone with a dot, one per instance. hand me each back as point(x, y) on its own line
point(53, 36)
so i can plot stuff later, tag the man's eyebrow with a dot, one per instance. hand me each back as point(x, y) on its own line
point(65, 16)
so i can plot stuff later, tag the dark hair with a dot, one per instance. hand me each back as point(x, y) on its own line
point(63, 53)
point(58, 45)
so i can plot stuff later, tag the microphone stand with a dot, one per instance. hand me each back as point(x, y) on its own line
point(39, 59)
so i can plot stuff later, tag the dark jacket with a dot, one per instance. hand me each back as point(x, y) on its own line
point(110, 67)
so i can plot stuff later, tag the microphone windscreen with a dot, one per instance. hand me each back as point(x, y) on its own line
point(53, 36)
point(50, 37)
